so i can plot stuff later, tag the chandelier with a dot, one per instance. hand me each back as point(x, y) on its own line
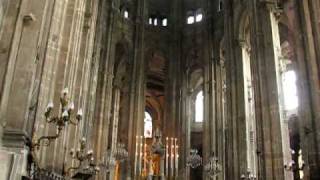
point(248, 176)
point(108, 161)
point(212, 168)
point(120, 153)
point(86, 167)
point(194, 160)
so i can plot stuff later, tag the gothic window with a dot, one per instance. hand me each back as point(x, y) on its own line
point(126, 14)
point(199, 17)
point(194, 16)
point(147, 125)
point(190, 20)
point(290, 90)
point(164, 22)
point(220, 7)
point(155, 22)
point(199, 107)
point(150, 21)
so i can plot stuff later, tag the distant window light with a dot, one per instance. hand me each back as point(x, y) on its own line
point(126, 14)
point(155, 22)
point(290, 90)
point(150, 21)
point(190, 20)
point(165, 22)
point(147, 125)
point(220, 5)
point(199, 107)
point(199, 17)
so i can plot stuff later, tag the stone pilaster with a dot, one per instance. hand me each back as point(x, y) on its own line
point(307, 41)
point(137, 90)
point(266, 52)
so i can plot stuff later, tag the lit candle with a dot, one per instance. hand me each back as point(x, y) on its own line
point(71, 106)
point(80, 112)
point(145, 155)
point(136, 156)
point(176, 156)
point(50, 106)
point(172, 156)
point(167, 156)
point(65, 91)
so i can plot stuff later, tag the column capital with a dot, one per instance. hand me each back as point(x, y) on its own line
point(15, 138)
point(273, 7)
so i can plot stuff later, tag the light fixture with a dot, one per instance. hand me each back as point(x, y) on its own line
point(108, 161)
point(120, 153)
point(86, 167)
point(213, 168)
point(67, 109)
point(194, 160)
point(248, 176)
point(64, 117)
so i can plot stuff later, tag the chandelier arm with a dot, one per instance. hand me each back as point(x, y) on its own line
point(75, 123)
point(47, 138)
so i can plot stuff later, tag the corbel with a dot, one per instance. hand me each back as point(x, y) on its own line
point(28, 18)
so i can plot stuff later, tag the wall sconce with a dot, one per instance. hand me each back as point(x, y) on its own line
point(248, 176)
point(60, 121)
point(65, 117)
point(86, 168)
point(213, 168)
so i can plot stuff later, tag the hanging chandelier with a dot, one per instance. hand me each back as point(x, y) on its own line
point(86, 167)
point(194, 160)
point(120, 153)
point(109, 161)
point(248, 176)
point(213, 168)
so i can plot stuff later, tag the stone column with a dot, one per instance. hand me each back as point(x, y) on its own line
point(137, 90)
point(236, 139)
point(104, 77)
point(266, 52)
point(17, 96)
point(307, 39)
point(114, 127)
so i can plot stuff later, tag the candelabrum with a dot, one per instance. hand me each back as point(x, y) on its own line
point(86, 167)
point(194, 160)
point(64, 117)
point(67, 109)
point(120, 153)
point(108, 161)
point(248, 176)
point(213, 168)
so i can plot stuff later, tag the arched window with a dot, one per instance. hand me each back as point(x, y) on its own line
point(164, 22)
point(147, 125)
point(194, 16)
point(220, 8)
point(155, 22)
point(150, 21)
point(199, 107)
point(190, 20)
point(126, 14)
point(290, 90)
point(199, 17)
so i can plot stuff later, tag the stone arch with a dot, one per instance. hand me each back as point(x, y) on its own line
point(244, 20)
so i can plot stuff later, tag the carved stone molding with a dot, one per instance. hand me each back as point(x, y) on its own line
point(15, 138)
